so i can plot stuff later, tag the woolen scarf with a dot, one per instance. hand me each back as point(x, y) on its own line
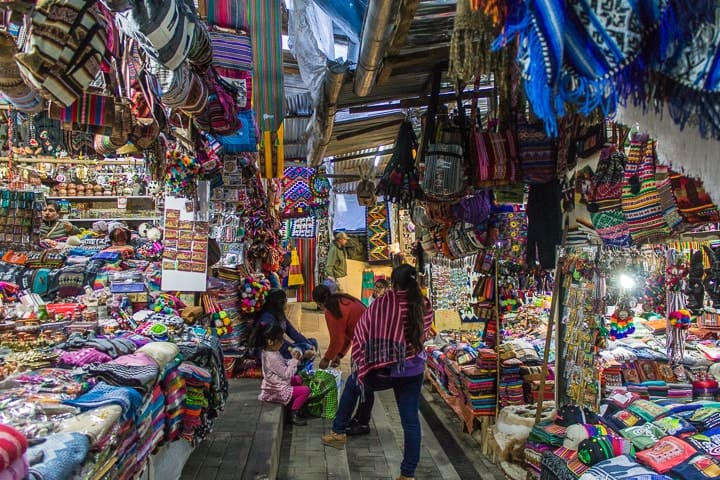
point(380, 339)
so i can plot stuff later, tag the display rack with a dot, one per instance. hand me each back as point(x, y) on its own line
point(119, 219)
point(101, 197)
point(73, 161)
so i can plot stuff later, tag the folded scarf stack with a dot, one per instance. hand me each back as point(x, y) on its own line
point(173, 385)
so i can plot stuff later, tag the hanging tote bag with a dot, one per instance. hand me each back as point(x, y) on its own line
point(444, 174)
point(693, 202)
point(65, 49)
point(200, 55)
point(537, 153)
point(640, 197)
point(12, 85)
point(605, 206)
point(164, 30)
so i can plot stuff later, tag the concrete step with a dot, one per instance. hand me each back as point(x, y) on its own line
point(263, 458)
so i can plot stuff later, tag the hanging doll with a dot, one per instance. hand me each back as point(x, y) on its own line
point(695, 289)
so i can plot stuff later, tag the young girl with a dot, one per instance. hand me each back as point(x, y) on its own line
point(280, 384)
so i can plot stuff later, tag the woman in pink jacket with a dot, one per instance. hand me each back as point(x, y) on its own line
point(280, 384)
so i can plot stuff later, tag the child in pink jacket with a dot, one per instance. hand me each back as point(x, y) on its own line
point(280, 384)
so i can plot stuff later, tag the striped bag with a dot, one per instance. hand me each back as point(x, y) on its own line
point(164, 30)
point(537, 153)
point(231, 51)
point(12, 85)
point(605, 207)
point(640, 197)
point(197, 97)
point(444, 173)
point(228, 14)
point(65, 49)
point(693, 202)
point(495, 157)
point(91, 109)
point(174, 85)
point(201, 51)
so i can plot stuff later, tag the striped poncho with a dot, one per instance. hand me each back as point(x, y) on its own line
point(380, 339)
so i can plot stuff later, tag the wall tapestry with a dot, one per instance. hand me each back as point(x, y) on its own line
point(378, 233)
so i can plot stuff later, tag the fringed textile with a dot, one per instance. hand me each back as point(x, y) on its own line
point(593, 53)
point(378, 233)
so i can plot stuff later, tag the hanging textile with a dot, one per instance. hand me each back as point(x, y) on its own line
point(228, 14)
point(322, 245)
point(591, 54)
point(295, 275)
point(640, 197)
point(297, 197)
point(306, 250)
point(400, 182)
point(378, 233)
point(604, 199)
point(265, 29)
point(303, 227)
point(368, 287)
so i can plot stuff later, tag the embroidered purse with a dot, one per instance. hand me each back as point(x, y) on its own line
point(537, 153)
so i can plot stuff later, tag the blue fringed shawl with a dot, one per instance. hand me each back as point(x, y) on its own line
point(593, 53)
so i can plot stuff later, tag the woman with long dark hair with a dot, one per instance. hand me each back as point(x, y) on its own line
point(342, 312)
point(273, 312)
point(387, 352)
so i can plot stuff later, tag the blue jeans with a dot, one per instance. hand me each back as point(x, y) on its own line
point(407, 395)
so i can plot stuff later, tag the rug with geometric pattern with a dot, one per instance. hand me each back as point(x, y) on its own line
point(378, 233)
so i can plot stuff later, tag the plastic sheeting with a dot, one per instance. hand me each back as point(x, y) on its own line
point(347, 14)
point(312, 42)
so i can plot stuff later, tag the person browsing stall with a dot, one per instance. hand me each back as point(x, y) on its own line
point(280, 383)
point(336, 266)
point(387, 352)
point(342, 312)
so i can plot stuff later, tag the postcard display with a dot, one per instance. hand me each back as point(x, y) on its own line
point(184, 266)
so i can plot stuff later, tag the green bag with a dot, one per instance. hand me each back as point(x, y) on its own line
point(323, 400)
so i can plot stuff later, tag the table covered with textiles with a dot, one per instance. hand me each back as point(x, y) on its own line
point(632, 438)
point(98, 406)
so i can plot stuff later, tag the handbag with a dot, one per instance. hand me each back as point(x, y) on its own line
point(444, 172)
point(604, 199)
point(537, 153)
point(12, 85)
point(475, 209)
point(220, 116)
point(201, 52)
point(245, 138)
point(65, 49)
point(164, 30)
point(89, 111)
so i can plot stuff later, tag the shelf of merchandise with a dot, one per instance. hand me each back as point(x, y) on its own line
point(119, 219)
point(100, 197)
point(74, 161)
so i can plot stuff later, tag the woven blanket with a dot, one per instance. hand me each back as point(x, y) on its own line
point(593, 53)
point(297, 197)
point(693, 202)
point(13, 445)
point(378, 233)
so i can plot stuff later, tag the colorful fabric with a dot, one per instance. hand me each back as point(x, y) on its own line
point(137, 370)
point(509, 233)
point(699, 467)
point(669, 452)
point(693, 202)
point(228, 14)
point(297, 197)
point(591, 54)
point(231, 51)
point(265, 29)
point(104, 394)
point(621, 468)
point(707, 441)
point(13, 445)
point(61, 454)
point(378, 233)
point(640, 196)
point(302, 227)
point(379, 339)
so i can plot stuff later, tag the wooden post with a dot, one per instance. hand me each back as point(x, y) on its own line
point(554, 309)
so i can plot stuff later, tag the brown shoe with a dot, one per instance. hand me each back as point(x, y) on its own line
point(335, 440)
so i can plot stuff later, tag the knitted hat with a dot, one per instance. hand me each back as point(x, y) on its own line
point(71, 281)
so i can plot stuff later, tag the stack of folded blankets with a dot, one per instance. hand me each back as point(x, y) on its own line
point(479, 389)
point(196, 423)
point(511, 383)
